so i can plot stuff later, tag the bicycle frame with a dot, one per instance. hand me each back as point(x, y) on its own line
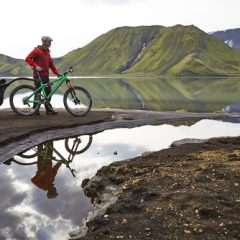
point(63, 160)
point(40, 89)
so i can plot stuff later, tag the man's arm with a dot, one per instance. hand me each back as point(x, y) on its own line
point(55, 168)
point(30, 57)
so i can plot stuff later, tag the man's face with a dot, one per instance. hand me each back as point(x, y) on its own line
point(47, 43)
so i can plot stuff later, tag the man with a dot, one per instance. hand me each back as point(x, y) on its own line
point(46, 172)
point(40, 60)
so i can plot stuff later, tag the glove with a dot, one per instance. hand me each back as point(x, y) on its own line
point(38, 69)
point(59, 75)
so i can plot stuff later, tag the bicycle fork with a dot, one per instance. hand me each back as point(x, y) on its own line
point(72, 92)
point(76, 143)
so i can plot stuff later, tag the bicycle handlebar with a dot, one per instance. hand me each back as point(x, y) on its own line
point(70, 70)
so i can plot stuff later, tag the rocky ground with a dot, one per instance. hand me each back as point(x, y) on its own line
point(191, 191)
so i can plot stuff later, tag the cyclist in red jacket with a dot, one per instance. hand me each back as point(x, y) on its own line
point(40, 60)
point(46, 172)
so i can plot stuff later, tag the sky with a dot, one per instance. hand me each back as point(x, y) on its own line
point(74, 23)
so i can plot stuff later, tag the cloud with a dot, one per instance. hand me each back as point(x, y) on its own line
point(29, 214)
point(72, 204)
point(9, 223)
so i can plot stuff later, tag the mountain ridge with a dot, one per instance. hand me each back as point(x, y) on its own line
point(175, 51)
point(147, 50)
point(12, 66)
point(230, 36)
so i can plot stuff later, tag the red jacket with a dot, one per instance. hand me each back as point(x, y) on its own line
point(41, 57)
point(44, 178)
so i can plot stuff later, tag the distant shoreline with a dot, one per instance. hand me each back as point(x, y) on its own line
point(130, 77)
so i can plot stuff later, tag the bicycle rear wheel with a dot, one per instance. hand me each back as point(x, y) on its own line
point(20, 103)
point(77, 101)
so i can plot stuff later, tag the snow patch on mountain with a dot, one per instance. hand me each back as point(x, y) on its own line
point(230, 43)
point(230, 36)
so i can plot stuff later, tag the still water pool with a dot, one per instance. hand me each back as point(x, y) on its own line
point(44, 200)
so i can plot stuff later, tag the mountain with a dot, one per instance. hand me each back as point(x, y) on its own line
point(13, 67)
point(231, 37)
point(145, 50)
point(112, 52)
point(154, 50)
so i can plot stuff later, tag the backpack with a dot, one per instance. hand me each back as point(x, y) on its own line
point(3, 86)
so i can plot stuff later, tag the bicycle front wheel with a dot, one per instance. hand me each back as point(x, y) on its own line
point(77, 101)
point(78, 144)
point(22, 100)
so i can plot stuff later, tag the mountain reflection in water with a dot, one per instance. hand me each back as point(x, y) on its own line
point(194, 94)
point(28, 212)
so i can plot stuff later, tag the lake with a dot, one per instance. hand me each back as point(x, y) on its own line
point(159, 94)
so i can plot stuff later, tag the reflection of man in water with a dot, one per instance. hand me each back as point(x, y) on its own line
point(46, 172)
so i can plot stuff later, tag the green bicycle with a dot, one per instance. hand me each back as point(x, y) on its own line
point(74, 146)
point(26, 100)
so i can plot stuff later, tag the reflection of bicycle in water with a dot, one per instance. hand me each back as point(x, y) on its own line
point(46, 155)
point(74, 146)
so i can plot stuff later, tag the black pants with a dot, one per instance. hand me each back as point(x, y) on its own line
point(48, 89)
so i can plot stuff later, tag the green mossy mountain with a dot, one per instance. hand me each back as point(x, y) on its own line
point(155, 50)
point(145, 50)
point(13, 67)
point(110, 53)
